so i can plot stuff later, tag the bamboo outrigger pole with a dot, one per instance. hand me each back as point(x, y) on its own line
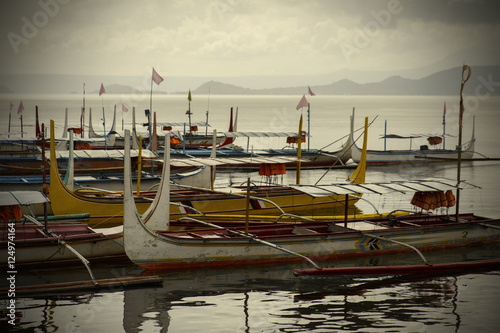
point(459, 147)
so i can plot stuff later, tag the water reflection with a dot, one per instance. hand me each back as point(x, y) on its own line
point(255, 299)
point(267, 298)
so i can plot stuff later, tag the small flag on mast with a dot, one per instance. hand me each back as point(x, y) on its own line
point(102, 90)
point(303, 102)
point(189, 95)
point(310, 91)
point(124, 108)
point(157, 78)
point(20, 108)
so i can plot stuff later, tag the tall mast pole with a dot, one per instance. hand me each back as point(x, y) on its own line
point(308, 125)
point(444, 126)
point(150, 113)
point(459, 147)
point(82, 118)
point(208, 109)
point(188, 112)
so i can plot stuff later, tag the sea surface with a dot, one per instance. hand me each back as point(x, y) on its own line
point(270, 298)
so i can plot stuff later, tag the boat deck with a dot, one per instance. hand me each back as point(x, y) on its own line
point(28, 232)
point(413, 221)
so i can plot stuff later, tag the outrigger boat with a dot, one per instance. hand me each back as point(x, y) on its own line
point(106, 209)
point(227, 151)
point(422, 155)
point(58, 242)
point(151, 248)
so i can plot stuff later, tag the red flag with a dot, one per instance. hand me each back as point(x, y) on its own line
point(124, 108)
point(20, 108)
point(157, 78)
point(303, 102)
point(310, 91)
point(102, 90)
point(11, 106)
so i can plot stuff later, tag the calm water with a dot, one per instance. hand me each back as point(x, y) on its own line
point(270, 298)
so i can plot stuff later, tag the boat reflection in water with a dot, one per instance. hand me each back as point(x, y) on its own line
point(270, 298)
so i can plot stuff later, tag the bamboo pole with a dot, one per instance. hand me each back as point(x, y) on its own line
point(459, 147)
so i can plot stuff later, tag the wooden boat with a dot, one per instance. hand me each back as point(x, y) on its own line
point(449, 267)
point(150, 248)
point(58, 243)
point(422, 155)
point(312, 158)
point(107, 209)
point(195, 140)
point(17, 147)
point(86, 162)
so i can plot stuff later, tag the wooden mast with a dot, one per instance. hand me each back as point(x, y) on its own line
point(459, 147)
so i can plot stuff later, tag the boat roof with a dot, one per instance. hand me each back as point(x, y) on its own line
point(259, 134)
point(10, 198)
point(199, 123)
point(14, 138)
point(412, 136)
point(100, 153)
point(183, 162)
point(377, 188)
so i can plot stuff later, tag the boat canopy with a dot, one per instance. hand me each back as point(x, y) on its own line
point(173, 124)
point(99, 153)
point(377, 188)
point(13, 198)
point(412, 136)
point(4, 138)
point(259, 134)
point(183, 162)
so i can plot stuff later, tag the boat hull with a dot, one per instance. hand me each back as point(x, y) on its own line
point(374, 157)
point(33, 248)
point(424, 155)
point(152, 250)
point(107, 212)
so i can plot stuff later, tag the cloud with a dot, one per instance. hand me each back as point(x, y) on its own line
point(236, 38)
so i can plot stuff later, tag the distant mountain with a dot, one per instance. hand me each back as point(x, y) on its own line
point(5, 90)
point(120, 89)
point(484, 79)
point(220, 88)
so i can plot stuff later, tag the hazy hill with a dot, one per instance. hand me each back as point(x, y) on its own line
point(5, 90)
point(484, 80)
point(120, 89)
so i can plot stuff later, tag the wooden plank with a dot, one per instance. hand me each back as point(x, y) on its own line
point(88, 285)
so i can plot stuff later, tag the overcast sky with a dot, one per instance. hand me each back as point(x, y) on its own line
point(239, 38)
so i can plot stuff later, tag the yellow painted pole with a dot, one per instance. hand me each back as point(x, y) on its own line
point(247, 217)
point(299, 150)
